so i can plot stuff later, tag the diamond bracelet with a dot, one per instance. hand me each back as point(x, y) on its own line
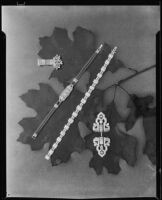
point(82, 102)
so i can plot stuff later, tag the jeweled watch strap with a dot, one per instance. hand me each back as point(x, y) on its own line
point(82, 102)
point(66, 92)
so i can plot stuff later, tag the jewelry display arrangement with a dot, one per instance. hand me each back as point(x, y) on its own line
point(56, 122)
point(82, 102)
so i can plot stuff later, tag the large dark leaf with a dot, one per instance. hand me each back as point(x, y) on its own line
point(122, 145)
point(149, 124)
point(75, 53)
point(42, 101)
point(139, 107)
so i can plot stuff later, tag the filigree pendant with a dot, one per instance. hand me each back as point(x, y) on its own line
point(101, 143)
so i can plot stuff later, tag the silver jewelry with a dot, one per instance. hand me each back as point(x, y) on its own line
point(82, 102)
point(101, 143)
point(56, 62)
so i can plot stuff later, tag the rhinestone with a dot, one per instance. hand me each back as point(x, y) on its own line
point(99, 75)
point(79, 107)
point(55, 106)
point(81, 104)
point(57, 62)
point(95, 81)
point(97, 78)
point(83, 101)
point(50, 152)
point(54, 146)
point(78, 112)
point(75, 114)
point(66, 127)
point(59, 139)
point(85, 98)
point(91, 87)
point(90, 91)
point(75, 80)
point(68, 124)
point(56, 142)
point(107, 62)
point(87, 94)
point(72, 117)
point(70, 120)
point(47, 157)
point(94, 85)
point(34, 135)
point(110, 56)
point(103, 69)
point(62, 133)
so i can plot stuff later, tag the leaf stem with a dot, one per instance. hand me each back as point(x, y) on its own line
point(114, 93)
point(131, 69)
point(130, 77)
point(137, 73)
point(124, 90)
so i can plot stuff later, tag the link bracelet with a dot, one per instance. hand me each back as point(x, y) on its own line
point(82, 102)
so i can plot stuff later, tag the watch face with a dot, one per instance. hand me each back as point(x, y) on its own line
point(81, 101)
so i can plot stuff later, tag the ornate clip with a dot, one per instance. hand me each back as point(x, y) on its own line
point(101, 143)
point(56, 62)
point(101, 124)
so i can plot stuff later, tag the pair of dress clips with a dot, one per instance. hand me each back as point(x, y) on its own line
point(101, 143)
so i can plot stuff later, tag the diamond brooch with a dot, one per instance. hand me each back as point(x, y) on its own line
point(56, 62)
